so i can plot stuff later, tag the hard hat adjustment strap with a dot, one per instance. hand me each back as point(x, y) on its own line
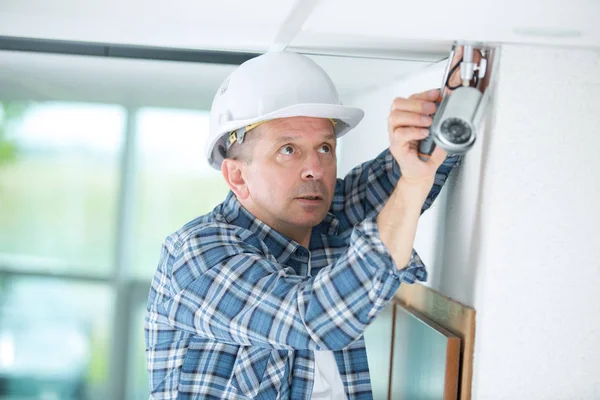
point(239, 134)
point(236, 136)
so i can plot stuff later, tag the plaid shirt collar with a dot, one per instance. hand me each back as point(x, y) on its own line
point(280, 245)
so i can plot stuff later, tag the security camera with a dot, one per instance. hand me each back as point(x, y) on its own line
point(454, 128)
point(455, 123)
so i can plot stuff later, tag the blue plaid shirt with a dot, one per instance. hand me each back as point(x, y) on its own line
point(236, 309)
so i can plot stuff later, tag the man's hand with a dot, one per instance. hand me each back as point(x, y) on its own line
point(409, 123)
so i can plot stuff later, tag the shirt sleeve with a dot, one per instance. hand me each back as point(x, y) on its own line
point(218, 284)
point(365, 190)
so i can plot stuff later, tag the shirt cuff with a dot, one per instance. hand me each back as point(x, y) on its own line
point(414, 271)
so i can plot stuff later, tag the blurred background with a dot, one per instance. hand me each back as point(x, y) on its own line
point(88, 191)
point(92, 180)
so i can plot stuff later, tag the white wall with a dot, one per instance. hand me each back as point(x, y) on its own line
point(538, 245)
point(521, 238)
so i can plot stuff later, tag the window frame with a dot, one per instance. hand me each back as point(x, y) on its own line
point(128, 290)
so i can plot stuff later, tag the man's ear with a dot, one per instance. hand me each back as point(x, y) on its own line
point(233, 174)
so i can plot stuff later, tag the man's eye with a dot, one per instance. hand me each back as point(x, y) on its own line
point(325, 148)
point(286, 150)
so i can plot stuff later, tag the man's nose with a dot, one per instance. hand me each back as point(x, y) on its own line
point(313, 169)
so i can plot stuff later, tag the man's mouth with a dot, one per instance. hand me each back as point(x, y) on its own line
point(313, 197)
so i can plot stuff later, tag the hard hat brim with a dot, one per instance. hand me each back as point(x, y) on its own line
point(349, 116)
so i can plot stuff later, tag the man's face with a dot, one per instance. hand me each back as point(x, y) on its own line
point(292, 175)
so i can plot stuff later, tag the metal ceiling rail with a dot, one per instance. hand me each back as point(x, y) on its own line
point(53, 46)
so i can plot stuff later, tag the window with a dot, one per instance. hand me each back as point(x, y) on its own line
point(59, 192)
point(85, 204)
point(174, 184)
point(54, 339)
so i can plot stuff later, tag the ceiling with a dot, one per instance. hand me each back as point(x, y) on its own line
point(375, 25)
point(134, 83)
point(361, 44)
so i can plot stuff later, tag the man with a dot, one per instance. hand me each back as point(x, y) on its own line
point(268, 296)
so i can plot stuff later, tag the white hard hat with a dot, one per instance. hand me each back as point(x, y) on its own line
point(270, 86)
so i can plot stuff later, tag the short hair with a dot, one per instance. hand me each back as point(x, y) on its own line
point(243, 151)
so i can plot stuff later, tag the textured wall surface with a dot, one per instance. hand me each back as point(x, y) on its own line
point(517, 235)
point(538, 259)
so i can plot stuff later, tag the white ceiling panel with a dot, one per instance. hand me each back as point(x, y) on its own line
point(223, 24)
point(558, 22)
point(374, 27)
point(202, 10)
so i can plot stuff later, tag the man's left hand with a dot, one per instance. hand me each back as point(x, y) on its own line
point(409, 123)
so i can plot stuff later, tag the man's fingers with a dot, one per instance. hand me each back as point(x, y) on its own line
point(414, 105)
point(409, 134)
point(398, 119)
point(438, 156)
point(428, 95)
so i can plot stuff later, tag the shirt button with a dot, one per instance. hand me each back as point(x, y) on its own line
point(219, 217)
point(301, 252)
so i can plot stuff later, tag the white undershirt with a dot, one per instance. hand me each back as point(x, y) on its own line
point(328, 381)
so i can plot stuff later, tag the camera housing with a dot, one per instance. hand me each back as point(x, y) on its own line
point(454, 126)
